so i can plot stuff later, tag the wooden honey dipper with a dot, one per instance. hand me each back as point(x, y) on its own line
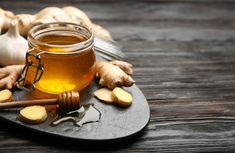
point(67, 101)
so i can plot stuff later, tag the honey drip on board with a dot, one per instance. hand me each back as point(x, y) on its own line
point(86, 114)
point(62, 72)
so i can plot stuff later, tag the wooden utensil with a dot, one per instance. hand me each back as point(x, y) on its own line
point(67, 101)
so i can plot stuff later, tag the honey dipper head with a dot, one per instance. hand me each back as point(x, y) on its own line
point(69, 101)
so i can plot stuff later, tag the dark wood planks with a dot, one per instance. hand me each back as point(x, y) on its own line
point(183, 52)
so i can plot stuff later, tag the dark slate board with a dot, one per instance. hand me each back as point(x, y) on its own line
point(116, 122)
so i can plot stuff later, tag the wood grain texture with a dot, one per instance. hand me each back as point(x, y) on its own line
point(183, 52)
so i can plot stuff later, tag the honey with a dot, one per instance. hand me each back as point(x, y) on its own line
point(66, 58)
point(85, 114)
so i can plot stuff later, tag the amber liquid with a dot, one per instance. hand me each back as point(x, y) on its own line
point(63, 72)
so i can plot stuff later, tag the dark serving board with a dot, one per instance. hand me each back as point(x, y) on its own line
point(115, 123)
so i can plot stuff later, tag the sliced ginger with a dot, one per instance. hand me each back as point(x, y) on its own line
point(118, 96)
point(123, 98)
point(5, 95)
point(105, 95)
point(33, 114)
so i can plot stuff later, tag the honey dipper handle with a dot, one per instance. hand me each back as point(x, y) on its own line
point(23, 103)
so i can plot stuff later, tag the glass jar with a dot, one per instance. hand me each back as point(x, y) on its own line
point(60, 58)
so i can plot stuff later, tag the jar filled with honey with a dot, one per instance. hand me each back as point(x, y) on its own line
point(60, 58)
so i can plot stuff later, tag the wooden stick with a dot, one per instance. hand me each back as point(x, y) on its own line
point(24, 103)
point(67, 101)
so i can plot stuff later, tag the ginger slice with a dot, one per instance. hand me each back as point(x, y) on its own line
point(105, 95)
point(116, 96)
point(5, 95)
point(122, 97)
point(33, 114)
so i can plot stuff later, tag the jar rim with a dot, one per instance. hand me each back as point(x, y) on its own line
point(75, 47)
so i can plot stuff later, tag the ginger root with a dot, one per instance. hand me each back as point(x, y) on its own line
point(126, 67)
point(77, 16)
point(9, 75)
point(51, 14)
point(114, 74)
point(33, 114)
point(5, 96)
point(5, 19)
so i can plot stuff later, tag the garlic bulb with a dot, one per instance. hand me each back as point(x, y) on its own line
point(13, 47)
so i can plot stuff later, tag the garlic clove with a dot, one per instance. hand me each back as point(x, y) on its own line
point(13, 47)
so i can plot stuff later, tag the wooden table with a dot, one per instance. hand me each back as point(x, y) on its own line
point(183, 54)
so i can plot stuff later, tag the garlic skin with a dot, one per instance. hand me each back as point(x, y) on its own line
point(13, 47)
